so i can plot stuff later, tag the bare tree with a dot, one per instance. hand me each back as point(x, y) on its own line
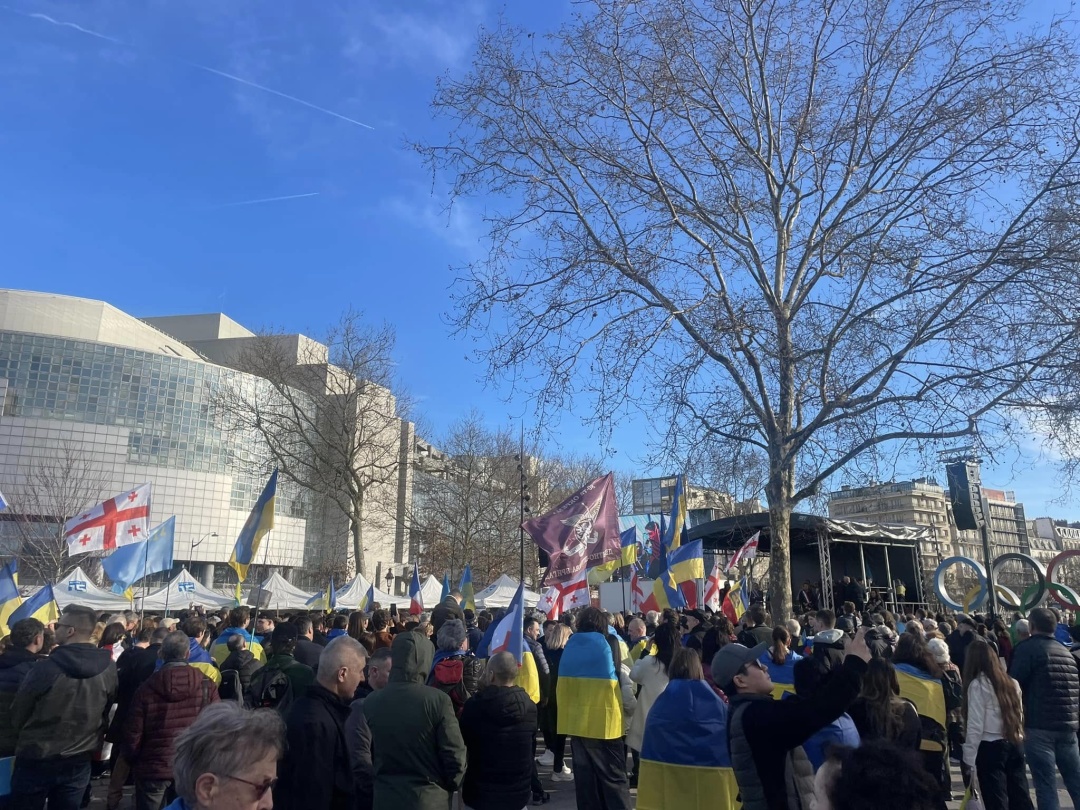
point(44, 494)
point(809, 226)
point(328, 413)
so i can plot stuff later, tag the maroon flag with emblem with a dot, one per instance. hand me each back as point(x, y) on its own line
point(581, 532)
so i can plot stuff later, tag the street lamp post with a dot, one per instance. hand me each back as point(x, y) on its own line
point(389, 581)
point(194, 545)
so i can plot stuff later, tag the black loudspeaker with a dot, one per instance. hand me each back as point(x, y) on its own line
point(965, 490)
point(542, 558)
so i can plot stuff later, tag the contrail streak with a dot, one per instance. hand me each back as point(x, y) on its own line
point(268, 200)
point(62, 24)
point(271, 90)
point(215, 71)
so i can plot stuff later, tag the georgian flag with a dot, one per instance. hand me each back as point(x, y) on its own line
point(637, 595)
point(117, 522)
point(712, 589)
point(509, 632)
point(575, 592)
point(747, 552)
point(551, 603)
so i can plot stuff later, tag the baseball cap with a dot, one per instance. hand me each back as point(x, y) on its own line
point(731, 658)
point(284, 633)
point(845, 624)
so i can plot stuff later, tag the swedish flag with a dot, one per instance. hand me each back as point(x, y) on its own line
point(259, 522)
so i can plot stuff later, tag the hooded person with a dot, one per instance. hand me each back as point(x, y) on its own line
point(449, 608)
point(59, 714)
point(418, 753)
point(455, 671)
point(827, 647)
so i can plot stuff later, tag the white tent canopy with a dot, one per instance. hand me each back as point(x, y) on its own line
point(182, 592)
point(349, 597)
point(499, 593)
point(78, 589)
point(283, 594)
point(430, 592)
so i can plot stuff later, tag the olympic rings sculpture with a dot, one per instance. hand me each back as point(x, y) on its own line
point(1045, 581)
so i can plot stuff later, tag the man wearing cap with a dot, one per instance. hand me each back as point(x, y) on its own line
point(763, 731)
point(959, 639)
point(694, 627)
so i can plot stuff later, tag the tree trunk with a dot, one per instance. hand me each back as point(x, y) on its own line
point(779, 493)
point(357, 527)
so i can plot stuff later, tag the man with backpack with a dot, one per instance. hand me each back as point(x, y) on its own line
point(456, 671)
point(237, 669)
point(283, 679)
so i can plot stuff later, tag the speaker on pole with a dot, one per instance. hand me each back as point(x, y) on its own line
point(965, 491)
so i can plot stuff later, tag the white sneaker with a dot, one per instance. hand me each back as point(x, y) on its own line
point(565, 775)
point(547, 759)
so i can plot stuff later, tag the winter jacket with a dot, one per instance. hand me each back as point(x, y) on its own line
point(549, 710)
point(307, 652)
point(763, 731)
point(881, 641)
point(200, 658)
point(133, 669)
point(957, 642)
point(317, 769)
point(164, 706)
point(908, 735)
point(14, 664)
point(984, 722)
point(458, 675)
point(499, 728)
point(62, 706)
point(417, 750)
point(651, 677)
point(827, 654)
point(358, 741)
point(841, 731)
point(299, 675)
point(245, 665)
point(1047, 674)
point(449, 608)
point(383, 638)
point(752, 636)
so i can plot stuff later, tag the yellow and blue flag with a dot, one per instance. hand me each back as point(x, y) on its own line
point(40, 606)
point(368, 599)
point(924, 690)
point(628, 542)
point(734, 604)
point(676, 584)
point(445, 586)
point(685, 759)
point(589, 703)
point(10, 599)
point(468, 593)
point(130, 563)
point(259, 522)
point(324, 600)
point(672, 535)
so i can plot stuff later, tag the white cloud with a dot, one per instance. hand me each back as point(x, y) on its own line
point(425, 37)
point(458, 224)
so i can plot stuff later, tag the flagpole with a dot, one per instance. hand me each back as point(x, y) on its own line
point(266, 559)
point(146, 585)
point(168, 591)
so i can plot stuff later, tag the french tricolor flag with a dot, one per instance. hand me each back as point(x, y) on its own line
point(509, 632)
point(417, 606)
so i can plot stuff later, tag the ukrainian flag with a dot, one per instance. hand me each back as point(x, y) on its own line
point(628, 543)
point(685, 760)
point(468, 593)
point(10, 600)
point(528, 677)
point(369, 599)
point(259, 522)
point(588, 690)
point(671, 537)
point(928, 695)
point(40, 606)
point(219, 650)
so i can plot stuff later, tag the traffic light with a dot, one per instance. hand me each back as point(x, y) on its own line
point(965, 490)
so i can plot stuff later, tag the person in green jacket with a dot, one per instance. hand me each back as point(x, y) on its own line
point(261, 691)
point(417, 750)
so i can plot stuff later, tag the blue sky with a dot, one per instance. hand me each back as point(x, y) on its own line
point(140, 165)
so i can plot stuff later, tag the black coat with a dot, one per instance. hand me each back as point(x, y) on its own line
point(316, 770)
point(308, 652)
point(245, 663)
point(358, 739)
point(14, 664)
point(1047, 674)
point(133, 669)
point(499, 727)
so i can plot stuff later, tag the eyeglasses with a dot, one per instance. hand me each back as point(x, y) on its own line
point(745, 669)
point(260, 789)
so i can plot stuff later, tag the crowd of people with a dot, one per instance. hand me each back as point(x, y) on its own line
point(352, 711)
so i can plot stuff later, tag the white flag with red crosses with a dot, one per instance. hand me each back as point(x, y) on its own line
point(116, 522)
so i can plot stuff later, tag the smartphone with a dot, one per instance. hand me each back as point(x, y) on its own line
point(393, 610)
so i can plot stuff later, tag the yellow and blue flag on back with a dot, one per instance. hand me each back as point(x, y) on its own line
point(782, 675)
point(685, 759)
point(924, 690)
point(628, 542)
point(588, 698)
point(259, 522)
point(468, 592)
point(10, 599)
point(40, 606)
point(672, 535)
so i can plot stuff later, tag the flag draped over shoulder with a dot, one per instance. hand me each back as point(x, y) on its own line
point(116, 522)
point(10, 600)
point(129, 564)
point(628, 544)
point(925, 692)
point(468, 592)
point(587, 693)
point(41, 606)
point(581, 532)
point(259, 522)
point(685, 759)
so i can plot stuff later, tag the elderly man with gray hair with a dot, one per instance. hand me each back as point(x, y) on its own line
point(455, 670)
point(228, 758)
point(317, 770)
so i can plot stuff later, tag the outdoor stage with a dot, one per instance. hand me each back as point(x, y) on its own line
point(824, 549)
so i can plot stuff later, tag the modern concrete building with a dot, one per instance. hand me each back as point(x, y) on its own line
point(134, 401)
point(651, 496)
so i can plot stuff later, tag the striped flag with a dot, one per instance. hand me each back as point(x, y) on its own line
point(637, 595)
point(747, 552)
point(509, 632)
point(417, 605)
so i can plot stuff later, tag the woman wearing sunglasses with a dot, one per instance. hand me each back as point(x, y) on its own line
point(227, 759)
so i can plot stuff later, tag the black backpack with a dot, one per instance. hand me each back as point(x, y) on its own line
point(270, 688)
point(230, 688)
